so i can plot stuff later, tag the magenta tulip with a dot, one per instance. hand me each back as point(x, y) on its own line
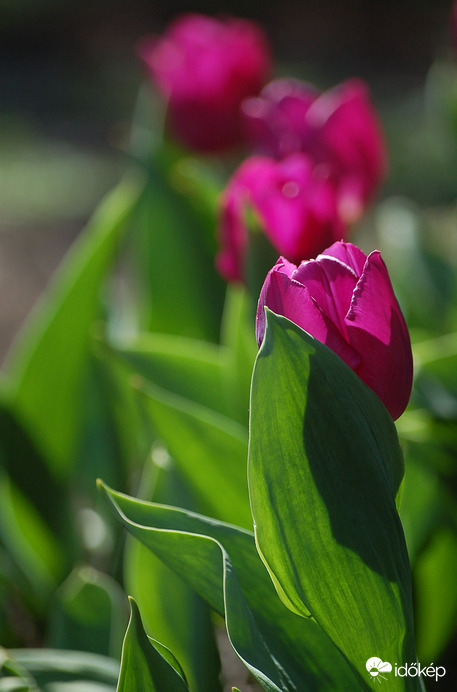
point(205, 67)
point(339, 129)
point(293, 202)
point(345, 299)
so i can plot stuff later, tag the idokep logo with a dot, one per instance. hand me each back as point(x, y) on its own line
point(377, 667)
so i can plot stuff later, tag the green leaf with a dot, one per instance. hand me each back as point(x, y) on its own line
point(238, 336)
point(183, 623)
point(436, 595)
point(425, 502)
point(220, 561)
point(100, 450)
point(191, 368)
point(47, 362)
point(144, 666)
point(53, 669)
point(429, 518)
point(117, 438)
point(324, 470)
point(210, 451)
point(29, 541)
point(13, 676)
point(260, 255)
point(29, 472)
point(181, 290)
point(33, 512)
point(87, 613)
point(78, 686)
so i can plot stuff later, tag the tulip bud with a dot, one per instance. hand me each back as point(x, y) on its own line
point(205, 67)
point(294, 204)
point(345, 300)
point(338, 129)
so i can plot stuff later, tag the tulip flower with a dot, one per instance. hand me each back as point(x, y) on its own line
point(345, 300)
point(205, 67)
point(338, 129)
point(293, 202)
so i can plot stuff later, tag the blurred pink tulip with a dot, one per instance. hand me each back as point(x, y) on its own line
point(338, 129)
point(294, 205)
point(346, 300)
point(205, 67)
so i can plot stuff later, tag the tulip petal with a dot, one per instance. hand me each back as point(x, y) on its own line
point(377, 330)
point(205, 68)
point(331, 284)
point(344, 132)
point(293, 300)
point(286, 267)
point(232, 236)
point(348, 254)
point(298, 207)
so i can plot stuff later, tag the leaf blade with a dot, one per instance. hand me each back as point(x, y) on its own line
point(175, 536)
point(316, 454)
point(45, 396)
point(143, 666)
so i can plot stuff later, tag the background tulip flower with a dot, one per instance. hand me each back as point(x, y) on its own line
point(205, 67)
point(338, 129)
point(294, 204)
point(346, 300)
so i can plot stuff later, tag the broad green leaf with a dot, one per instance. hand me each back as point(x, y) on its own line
point(125, 438)
point(13, 676)
point(143, 666)
point(324, 470)
point(78, 686)
point(181, 290)
point(436, 595)
point(210, 451)
point(426, 502)
point(238, 336)
point(430, 522)
point(100, 449)
point(33, 512)
point(28, 539)
point(182, 621)
point(188, 367)
point(53, 669)
point(260, 255)
point(167, 654)
point(15, 685)
point(201, 183)
point(87, 613)
point(47, 362)
point(29, 472)
point(221, 563)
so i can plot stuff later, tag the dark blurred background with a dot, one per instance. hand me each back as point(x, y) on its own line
point(69, 78)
